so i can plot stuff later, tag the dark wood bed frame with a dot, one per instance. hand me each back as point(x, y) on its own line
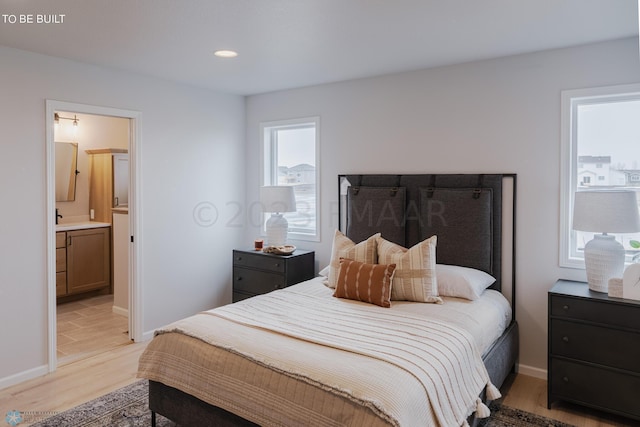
point(497, 190)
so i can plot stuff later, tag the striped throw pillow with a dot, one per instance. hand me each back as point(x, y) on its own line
point(415, 275)
point(365, 282)
point(344, 247)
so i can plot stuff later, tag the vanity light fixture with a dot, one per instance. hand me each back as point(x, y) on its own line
point(225, 53)
point(57, 117)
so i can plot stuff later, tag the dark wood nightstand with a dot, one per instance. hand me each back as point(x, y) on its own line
point(255, 272)
point(594, 349)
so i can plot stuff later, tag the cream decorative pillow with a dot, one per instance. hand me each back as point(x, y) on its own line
point(344, 247)
point(365, 282)
point(462, 282)
point(415, 275)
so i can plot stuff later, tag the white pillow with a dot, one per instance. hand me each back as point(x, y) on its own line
point(324, 272)
point(462, 282)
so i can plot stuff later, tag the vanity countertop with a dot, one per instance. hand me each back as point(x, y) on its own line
point(81, 225)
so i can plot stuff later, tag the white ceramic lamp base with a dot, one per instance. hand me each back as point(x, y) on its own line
point(277, 228)
point(603, 259)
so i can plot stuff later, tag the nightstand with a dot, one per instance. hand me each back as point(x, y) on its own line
point(594, 349)
point(255, 272)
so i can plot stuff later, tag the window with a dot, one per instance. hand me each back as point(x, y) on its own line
point(290, 157)
point(600, 150)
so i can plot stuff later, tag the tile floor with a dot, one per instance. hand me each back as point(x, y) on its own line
point(89, 326)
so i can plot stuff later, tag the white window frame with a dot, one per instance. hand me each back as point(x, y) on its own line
point(570, 100)
point(269, 166)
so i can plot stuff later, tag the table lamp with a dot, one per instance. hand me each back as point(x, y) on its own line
point(605, 211)
point(277, 199)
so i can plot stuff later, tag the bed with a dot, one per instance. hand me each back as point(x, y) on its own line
point(300, 356)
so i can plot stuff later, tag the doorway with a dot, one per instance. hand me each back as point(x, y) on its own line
point(97, 304)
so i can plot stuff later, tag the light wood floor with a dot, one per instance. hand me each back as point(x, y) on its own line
point(89, 326)
point(83, 380)
point(74, 383)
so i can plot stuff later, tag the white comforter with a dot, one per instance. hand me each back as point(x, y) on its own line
point(398, 373)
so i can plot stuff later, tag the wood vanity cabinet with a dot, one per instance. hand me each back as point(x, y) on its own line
point(87, 254)
point(61, 263)
point(108, 181)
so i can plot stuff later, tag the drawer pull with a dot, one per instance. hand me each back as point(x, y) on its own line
point(239, 258)
point(565, 307)
point(565, 339)
point(239, 279)
point(565, 379)
point(277, 264)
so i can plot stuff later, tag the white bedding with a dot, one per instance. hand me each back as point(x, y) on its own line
point(254, 390)
point(486, 318)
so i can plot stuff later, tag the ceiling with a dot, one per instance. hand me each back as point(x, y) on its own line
point(292, 43)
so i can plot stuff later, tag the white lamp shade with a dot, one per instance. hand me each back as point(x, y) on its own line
point(278, 198)
point(606, 211)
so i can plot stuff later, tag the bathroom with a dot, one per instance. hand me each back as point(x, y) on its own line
point(92, 233)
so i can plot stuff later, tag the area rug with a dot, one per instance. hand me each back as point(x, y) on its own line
point(125, 407)
point(504, 416)
point(128, 407)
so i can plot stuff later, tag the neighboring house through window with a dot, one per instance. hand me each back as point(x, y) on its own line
point(600, 150)
point(290, 157)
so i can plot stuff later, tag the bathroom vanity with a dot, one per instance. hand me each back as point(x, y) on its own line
point(83, 258)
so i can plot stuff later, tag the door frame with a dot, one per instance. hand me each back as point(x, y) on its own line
point(135, 215)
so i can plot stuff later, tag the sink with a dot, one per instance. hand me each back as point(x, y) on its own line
point(81, 225)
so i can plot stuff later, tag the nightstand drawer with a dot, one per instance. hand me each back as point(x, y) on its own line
point(594, 311)
point(259, 261)
point(239, 296)
point(256, 282)
point(604, 346)
point(596, 387)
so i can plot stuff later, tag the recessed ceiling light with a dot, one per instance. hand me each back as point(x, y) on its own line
point(226, 53)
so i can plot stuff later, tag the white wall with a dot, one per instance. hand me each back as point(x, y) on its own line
point(191, 150)
point(499, 115)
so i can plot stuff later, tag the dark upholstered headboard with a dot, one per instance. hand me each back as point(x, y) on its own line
point(472, 215)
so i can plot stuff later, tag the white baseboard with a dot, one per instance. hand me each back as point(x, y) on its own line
point(23, 376)
point(532, 372)
point(120, 311)
point(148, 335)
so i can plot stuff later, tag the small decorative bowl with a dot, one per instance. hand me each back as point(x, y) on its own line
point(280, 250)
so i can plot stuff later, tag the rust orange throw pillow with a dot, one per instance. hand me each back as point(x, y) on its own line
point(365, 282)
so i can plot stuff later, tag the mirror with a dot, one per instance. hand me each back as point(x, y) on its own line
point(66, 171)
